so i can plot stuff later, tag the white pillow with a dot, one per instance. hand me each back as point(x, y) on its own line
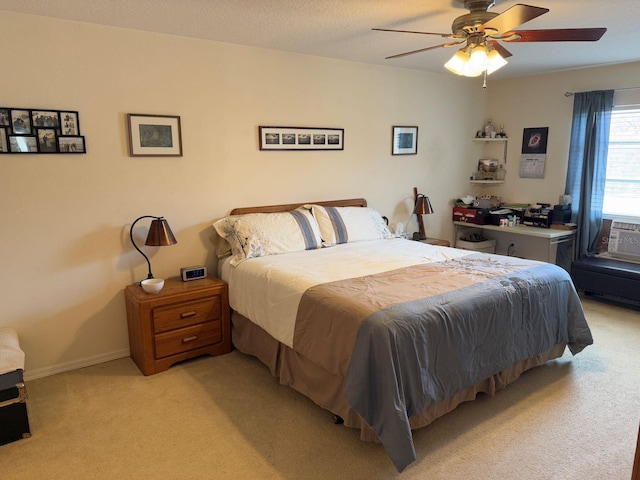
point(349, 224)
point(261, 234)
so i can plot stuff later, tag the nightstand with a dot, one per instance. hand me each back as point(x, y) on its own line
point(182, 321)
point(436, 241)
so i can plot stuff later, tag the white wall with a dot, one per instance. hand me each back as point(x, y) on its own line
point(65, 218)
point(539, 101)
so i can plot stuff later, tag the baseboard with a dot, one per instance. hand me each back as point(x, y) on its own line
point(76, 364)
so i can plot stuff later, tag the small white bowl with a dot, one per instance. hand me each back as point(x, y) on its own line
point(152, 285)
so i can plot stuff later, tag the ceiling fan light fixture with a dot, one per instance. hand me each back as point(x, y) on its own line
point(495, 61)
point(469, 71)
point(457, 63)
point(461, 65)
point(479, 60)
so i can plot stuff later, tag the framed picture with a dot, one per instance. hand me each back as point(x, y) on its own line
point(23, 144)
point(488, 164)
point(73, 144)
point(69, 123)
point(489, 167)
point(46, 140)
point(404, 141)
point(154, 135)
point(45, 118)
point(21, 122)
point(534, 140)
point(4, 117)
point(301, 138)
point(4, 146)
point(33, 130)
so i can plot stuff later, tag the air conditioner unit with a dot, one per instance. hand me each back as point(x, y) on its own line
point(624, 240)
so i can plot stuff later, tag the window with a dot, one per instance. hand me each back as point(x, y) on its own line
point(622, 187)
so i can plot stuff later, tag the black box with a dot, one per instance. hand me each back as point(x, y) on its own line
point(14, 422)
point(561, 214)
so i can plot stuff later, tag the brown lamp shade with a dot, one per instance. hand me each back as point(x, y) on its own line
point(423, 207)
point(160, 234)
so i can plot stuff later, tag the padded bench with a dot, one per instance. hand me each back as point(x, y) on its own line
point(14, 423)
point(607, 276)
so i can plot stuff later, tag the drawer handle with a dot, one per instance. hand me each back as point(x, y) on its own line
point(189, 339)
point(192, 313)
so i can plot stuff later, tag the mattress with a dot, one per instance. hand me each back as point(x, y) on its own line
point(400, 332)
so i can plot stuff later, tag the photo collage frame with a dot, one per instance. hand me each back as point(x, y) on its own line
point(26, 130)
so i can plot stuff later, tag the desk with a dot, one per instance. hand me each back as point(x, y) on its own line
point(528, 242)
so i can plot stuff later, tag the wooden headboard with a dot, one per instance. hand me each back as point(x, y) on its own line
point(352, 202)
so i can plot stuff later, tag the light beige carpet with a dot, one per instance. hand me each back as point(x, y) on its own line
point(227, 418)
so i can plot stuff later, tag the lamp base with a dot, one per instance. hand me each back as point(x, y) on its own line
point(418, 236)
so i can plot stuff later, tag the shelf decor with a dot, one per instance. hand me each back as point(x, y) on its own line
point(24, 130)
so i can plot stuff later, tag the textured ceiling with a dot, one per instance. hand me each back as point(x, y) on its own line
point(342, 28)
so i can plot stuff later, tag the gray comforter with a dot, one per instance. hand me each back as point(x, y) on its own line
point(415, 336)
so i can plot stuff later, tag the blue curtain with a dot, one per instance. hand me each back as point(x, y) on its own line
point(588, 165)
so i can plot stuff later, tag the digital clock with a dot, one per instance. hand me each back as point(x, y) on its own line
point(193, 273)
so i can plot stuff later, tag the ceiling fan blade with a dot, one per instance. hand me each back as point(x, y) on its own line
point(513, 17)
point(444, 35)
point(557, 35)
point(452, 44)
point(504, 53)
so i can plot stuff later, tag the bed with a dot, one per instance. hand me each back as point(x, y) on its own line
point(387, 334)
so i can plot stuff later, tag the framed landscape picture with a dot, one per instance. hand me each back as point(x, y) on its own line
point(72, 144)
point(301, 138)
point(154, 135)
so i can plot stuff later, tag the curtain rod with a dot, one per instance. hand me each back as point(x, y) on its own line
point(570, 94)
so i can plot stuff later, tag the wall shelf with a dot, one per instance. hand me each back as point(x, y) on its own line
point(486, 182)
point(491, 140)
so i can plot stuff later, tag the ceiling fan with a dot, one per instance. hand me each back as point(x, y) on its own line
point(480, 30)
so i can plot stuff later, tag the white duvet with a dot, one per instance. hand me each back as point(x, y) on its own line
point(268, 289)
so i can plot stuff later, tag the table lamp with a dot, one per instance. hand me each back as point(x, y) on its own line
point(423, 207)
point(160, 235)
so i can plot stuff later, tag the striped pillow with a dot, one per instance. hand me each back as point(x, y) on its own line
point(349, 224)
point(261, 234)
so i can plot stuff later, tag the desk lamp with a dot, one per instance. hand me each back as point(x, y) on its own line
point(160, 235)
point(423, 207)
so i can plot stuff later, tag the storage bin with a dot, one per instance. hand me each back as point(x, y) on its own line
point(485, 246)
point(14, 422)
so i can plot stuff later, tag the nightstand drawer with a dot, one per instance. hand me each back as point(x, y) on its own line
point(189, 338)
point(185, 314)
